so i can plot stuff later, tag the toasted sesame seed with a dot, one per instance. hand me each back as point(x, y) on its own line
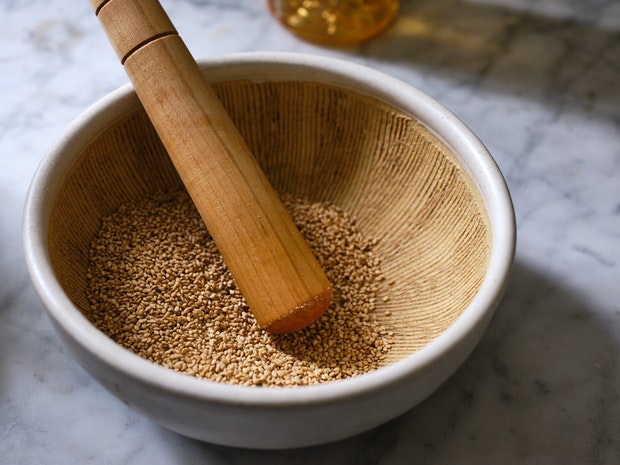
point(158, 286)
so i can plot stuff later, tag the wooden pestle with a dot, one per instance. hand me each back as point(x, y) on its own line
point(275, 270)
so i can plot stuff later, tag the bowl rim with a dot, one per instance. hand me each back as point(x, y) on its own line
point(483, 170)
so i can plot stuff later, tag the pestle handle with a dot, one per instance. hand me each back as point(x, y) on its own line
point(275, 270)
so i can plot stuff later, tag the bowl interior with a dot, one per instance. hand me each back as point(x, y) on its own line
point(325, 143)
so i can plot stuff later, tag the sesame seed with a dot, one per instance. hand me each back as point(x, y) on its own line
point(157, 285)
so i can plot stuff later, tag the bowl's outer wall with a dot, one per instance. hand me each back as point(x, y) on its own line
point(270, 426)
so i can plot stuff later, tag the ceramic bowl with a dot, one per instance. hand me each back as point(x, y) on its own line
point(413, 174)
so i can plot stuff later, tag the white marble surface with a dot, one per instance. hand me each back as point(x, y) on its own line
point(537, 80)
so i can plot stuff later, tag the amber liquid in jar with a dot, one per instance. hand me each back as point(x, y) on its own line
point(335, 22)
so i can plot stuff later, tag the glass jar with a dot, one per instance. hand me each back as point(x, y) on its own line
point(335, 22)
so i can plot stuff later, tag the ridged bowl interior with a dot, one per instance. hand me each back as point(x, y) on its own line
point(326, 143)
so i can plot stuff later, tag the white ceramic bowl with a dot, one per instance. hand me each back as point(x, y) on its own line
point(270, 417)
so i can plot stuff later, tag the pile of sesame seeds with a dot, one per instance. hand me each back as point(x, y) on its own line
point(158, 286)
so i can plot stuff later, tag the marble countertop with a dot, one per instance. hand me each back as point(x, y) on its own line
point(537, 80)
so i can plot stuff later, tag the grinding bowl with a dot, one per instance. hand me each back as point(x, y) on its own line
point(415, 177)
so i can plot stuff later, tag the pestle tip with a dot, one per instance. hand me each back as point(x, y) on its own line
point(302, 315)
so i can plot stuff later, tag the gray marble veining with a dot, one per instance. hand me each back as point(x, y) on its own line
point(538, 81)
